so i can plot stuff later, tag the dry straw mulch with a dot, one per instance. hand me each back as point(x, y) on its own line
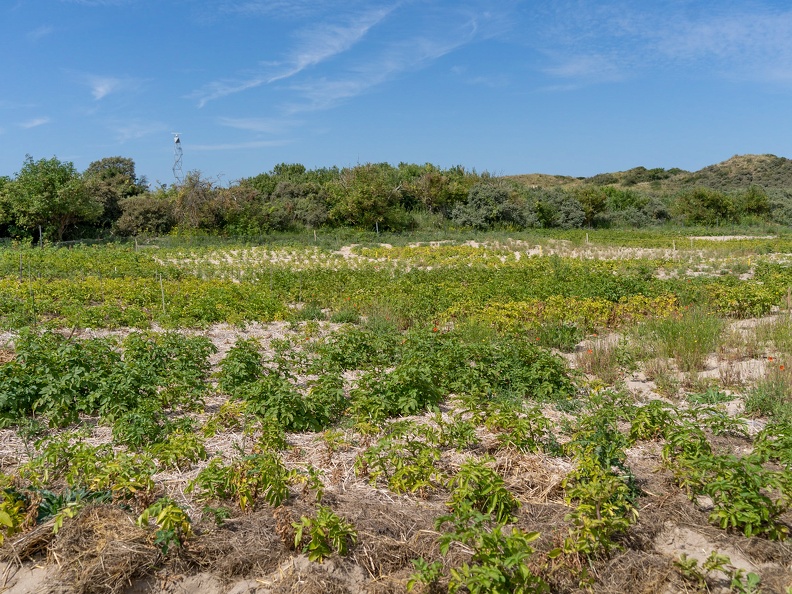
point(102, 550)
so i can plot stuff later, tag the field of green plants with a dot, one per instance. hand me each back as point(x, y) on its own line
point(601, 411)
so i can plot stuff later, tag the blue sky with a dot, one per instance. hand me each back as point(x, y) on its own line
point(564, 87)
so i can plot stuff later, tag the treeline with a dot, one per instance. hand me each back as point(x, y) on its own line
point(50, 199)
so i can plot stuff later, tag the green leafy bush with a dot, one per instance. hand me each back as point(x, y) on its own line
point(407, 389)
point(498, 561)
point(324, 534)
point(246, 480)
point(480, 487)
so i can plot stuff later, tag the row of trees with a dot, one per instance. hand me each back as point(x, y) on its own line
point(51, 199)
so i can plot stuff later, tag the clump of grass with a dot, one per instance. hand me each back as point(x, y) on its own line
point(664, 377)
point(687, 339)
point(731, 375)
point(710, 396)
point(739, 345)
point(692, 382)
point(601, 359)
point(777, 334)
point(558, 335)
point(772, 395)
point(310, 311)
point(346, 315)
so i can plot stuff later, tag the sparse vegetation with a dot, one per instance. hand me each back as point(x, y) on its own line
point(518, 414)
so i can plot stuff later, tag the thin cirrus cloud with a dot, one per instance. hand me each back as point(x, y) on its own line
point(99, 2)
point(599, 45)
point(316, 44)
point(253, 144)
point(755, 45)
point(102, 86)
point(40, 32)
point(287, 9)
point(408, 56)
point(260, 125)
point(34, 123)
point(588, 67)
point(128, 130)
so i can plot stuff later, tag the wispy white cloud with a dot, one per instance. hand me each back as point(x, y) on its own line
point(99, 2)
point(261, 125)
point(40, 32)
point(102, 86)
point(588, 67)
point(238, 146)
point(288, 9)
point(752, 44)
point(613, 41)
point(316, 44)
point(406, 56)
point(34, 123)
point(127, 130)
point(319, 43)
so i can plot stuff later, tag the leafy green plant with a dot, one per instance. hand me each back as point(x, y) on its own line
point(604, 507)
point(141, 426)
point(267, 435)
point(407, 389)
point(455, 432)
point(242, 365)
point(359, 348)
point(326, 400)
point(232, 415)
point(498, 563)
point(699, 575)
point(310, 311)
point(311, 479)
point(345, 315)
point(525, 429)
point(738, 488)
point(425, 573)
point(407, 465)
point(324, 534)
point(13, 513)
point(173, 524)
point(483, 489)
point(652, 421)
point(180, 450)
point(67, 503)
point(218, 514)
point(711, 396)
point(563, 336)
point(273, 396)
point(774, 443)
point(246, 480)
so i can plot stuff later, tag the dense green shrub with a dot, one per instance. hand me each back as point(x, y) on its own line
point(703, 206)
point(145, 214)
point(492, 203)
